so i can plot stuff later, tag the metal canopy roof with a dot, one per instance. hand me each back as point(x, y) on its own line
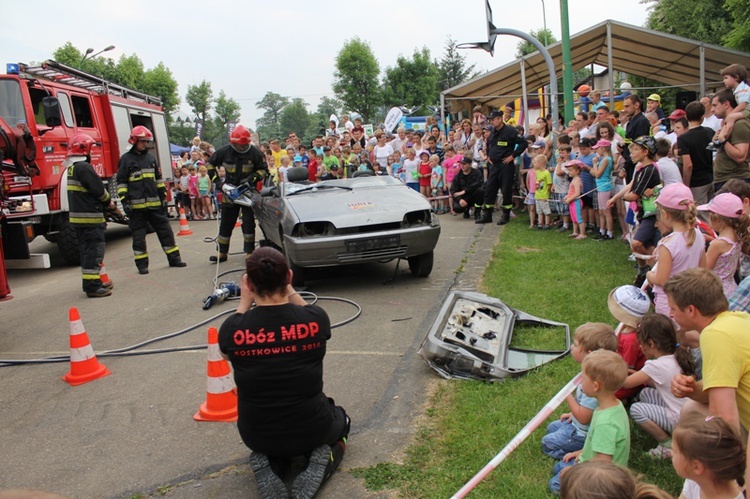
point(670, 59)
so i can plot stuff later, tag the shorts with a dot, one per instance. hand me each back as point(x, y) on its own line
point(602, 198)
point(542, 206)
point(575, 211)
point(647, 233)
point(587, 201)
point(530, 201)
point(560, 207)
point(203, 193)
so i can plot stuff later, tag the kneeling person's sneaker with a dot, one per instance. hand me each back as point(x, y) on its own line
point(660, 452)
point(269, 483)
point(309, 481)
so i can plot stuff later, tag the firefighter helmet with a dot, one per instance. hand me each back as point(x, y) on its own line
point(240, 135)
point(80, 145)
point(140, 132)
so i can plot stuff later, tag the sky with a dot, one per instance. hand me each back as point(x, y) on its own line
point(251, 47)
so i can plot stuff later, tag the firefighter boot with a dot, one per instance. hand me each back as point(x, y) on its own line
point(485, 217)
point(505, 218)
point(142, 266)
point(175, 260)
point(477, 213)
point(221, 258)
point(101, 292)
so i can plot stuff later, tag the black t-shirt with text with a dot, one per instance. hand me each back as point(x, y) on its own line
point(277, 356)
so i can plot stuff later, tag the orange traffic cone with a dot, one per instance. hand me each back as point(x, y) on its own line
point(104, 277)
point(83, 364)
point(184, 227)
point(221, 393)
point(238, 223)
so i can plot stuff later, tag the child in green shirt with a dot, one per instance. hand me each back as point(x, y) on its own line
point(604, 372)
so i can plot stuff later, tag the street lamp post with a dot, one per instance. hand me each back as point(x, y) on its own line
point(90, 50)
point(544, 17)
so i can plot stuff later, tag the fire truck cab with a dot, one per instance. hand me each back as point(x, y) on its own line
point(41, 107)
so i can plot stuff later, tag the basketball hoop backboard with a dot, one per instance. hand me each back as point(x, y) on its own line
point(489, 45)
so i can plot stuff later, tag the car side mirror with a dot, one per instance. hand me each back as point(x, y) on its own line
point(51, 107)
point(270, 191)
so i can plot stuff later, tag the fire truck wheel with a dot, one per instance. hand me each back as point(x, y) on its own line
point(67, 243)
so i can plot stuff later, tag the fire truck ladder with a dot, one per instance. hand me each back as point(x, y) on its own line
point(54, 71)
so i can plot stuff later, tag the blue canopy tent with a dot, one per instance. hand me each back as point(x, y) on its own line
point(177, 150)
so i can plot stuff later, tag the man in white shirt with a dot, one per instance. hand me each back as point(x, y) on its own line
point(710, 120)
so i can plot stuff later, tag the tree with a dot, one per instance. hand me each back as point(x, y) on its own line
point(158, 81)
point(128, 72)
point(200, 97)
point(703, 20)
point(269, 124)
point(226, 109)
point(739, 36)
point(452, 69)
point(412, 82)
point(295, 118)
point(545, 36)
point(355, 79)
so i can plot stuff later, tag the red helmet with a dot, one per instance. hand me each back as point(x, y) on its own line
point(240, 135)
point(80, 145)
point(140, 132)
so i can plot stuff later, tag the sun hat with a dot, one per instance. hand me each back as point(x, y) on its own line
point(676, 196)
point(539, 144)
point(628, 304)
point(727, 205)
point(467, 160)
point(586, 142)
point(602, 143)
point(423, 152)
point(654, 97)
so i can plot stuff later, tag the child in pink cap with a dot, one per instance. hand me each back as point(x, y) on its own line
point(683, 249)
point(729, 221)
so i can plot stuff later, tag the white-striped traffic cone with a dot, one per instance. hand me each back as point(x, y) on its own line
point(221, 393)
point(83, 364)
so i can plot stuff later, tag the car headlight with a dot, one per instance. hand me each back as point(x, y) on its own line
point(314, 229)
point(420, 217)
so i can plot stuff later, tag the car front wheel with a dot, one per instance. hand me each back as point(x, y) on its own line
point(421, 265)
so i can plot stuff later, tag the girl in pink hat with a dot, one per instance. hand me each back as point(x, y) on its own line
point(684, 248)
point(731, 224)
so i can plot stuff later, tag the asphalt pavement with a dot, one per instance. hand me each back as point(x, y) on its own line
point(133, 432)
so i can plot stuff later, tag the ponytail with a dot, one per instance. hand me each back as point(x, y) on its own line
point(659, 329)
point(688, 216)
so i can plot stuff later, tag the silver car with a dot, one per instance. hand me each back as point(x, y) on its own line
point(346, 221)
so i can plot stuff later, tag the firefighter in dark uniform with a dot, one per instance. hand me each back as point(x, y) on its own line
point(466, 189)
point(504, 145)
point(144, 198)
point(243, 162)
point(87, 199)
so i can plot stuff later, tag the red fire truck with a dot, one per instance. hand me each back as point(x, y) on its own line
point(41, 107)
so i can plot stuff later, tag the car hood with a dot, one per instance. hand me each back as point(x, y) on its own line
point(364, 204)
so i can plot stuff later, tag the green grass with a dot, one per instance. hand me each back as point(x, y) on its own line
point(544, 274)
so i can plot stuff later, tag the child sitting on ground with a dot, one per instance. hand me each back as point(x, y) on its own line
point(683, 249)
point(599, 479)
point(709, 454)
point(543, 183)
point(658, 410)
point(608, 439)
point(569, 433)
point(729, 221)
point(628, 305)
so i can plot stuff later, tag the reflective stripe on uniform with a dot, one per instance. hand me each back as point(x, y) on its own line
point(76, 188)
point(222, 240)
point(170, 250)
point(220, 384)
point(140, 256)
point(89, 277)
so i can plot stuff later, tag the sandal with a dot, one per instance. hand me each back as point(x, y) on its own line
point(573, 235)
point(581, 236)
